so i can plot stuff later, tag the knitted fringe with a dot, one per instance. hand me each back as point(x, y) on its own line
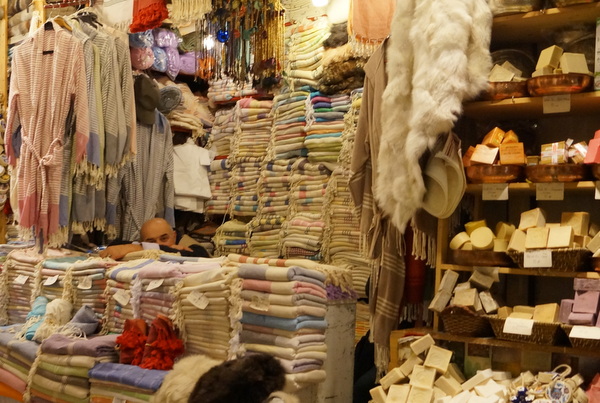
point(4, 288)
point(59, 238)
point(363, 48)
point(382, 360)
point(30, 375)
point(68, 289)
point(37, 282)
point(177, 315)
point(236, 348)
point(184, 11)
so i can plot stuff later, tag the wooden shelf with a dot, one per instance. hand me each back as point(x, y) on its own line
point(528, 272)
point(531, 187)
point(530, 107)
point(537, 25)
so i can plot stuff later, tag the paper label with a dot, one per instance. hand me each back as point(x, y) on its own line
point(21, 279)
point(51, 280)
point(518, 326)
point(585, 332)
point(85, 283)
point(537, 258)
point(557, 103)
point(495, 191)
point(550, 191)
point(260, 303)
point(122, 297)
point(154, 284)
point(198, 299)
point(597, 192)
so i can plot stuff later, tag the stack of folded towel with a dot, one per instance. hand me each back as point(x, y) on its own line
point(113, 382)
point(219, 177)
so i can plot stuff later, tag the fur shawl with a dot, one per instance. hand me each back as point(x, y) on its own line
point(437, 57)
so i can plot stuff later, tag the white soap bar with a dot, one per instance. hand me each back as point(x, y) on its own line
point(398, 394)
point(489, 271)
point(560, 237)
point(481, 281)
point(500, 73)
point(579, 220)
point(421, 345)
point(419, 395)
point(574, 63)
point(537, 238)
point(501, 375)
point(594, 244)
point(549, 57)
point(440, 301)
point(473, 225)
point(546, 313)
point(466, 298)
point(517, 241)
point(544, 71)
point(500, 245)
point(459, 240)
point(455, 372)
point(509, 66)
point(479, 377)
point(482, 239)
point(532, 218)
point(490, 388)
point(462, 397)
point(437, 393)
point(378, 394)
point(479, 399)
point(478, 307)
point(462, 286)
point(449, 385)
point(504, 230)
point(438, 358)
point(422, 377)
point(409, 364)
point(488, 302)
point(448, 281)
point(392, 377)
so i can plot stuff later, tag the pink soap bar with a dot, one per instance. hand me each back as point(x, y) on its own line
point(593, 154)
point(566, 306)
point(582, 319)
point(586, 301)
point(586, 284)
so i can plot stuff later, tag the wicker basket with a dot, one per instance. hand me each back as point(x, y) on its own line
point(588, 344)
point(462, 321)
point(562, 259)
point(541, 333)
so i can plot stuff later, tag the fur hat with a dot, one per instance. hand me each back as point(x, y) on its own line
point(249, 379)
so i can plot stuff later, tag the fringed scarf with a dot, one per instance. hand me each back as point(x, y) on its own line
point(369, 24)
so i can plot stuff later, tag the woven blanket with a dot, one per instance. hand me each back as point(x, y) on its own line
point(293, 273)
point(300, 322)
point(288, 300)
point(129, 375)
point(282, 311)
point(97, 346)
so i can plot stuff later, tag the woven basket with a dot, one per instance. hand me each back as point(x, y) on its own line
point(588, 344)
point(541, 333)
point(462, 321)
point(562, 259)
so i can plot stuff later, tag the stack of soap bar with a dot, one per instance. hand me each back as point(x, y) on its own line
point(586, 301)
point(579, 221)
point(549, 57)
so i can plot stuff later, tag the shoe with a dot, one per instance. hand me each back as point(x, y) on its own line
point(132, 341)
point(163, 345)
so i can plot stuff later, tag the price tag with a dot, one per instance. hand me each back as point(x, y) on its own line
point(550, 191)
point(518, 326)
point(122, 297)
point(51, 280)
point(495, 191)
point(260, 303)
point(198, 299)
point(585, 332)
point(537, 258)
point(597, 193)
point(21, 279)
point(85, 283)
point(154, 284)
point(557, 103)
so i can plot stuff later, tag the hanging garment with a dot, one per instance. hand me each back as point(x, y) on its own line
point(191, 176)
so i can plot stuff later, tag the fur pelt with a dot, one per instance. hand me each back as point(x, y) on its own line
point(338, 36)
point(179, 382)
point(437, 57)
point(342, 71)
point(249, 379)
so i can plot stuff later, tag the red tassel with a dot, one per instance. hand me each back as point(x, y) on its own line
point(149, 17)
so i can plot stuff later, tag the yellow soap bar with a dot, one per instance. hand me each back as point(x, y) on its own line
point(546, 313)
point(398, 393)
point(549, 57)
point(438, 358)
point(512, 154)
point(517, 241)
point(378, 394)
point(537, 238)
point(504, 230)
point(482, 238)
point(560, 237)
point(473, 225)
point(532, 218)
point(580, 221)
point(494, 137)
point(459, 240)
point(504, 312)
point(510, 137)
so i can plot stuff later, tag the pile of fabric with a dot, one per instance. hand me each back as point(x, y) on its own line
point(219, 175)
point(305, 51)
point(324, 127)
point(265, 236)
point(16, 358)
point(274, 188)
point(18, 280)
point(309, 182)
point(208, 313)
point(222, 132)
point(284, 315)
point(113, 382)
point(244, 189)
point(226, 91)
point(231, 237)
point(60, 372)
point(343, 71)
point(289, 110)
point(303, 235)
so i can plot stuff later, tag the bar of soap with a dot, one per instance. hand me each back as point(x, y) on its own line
point(459, 240)
point(437, 393)
point(462, 286)
point(510, 137)
point(593, 230)
point(419, 395)
point(398, 393)
point(512, 154)
point(378, 394)
point(466, 298)
point(521, 315)
point(594, 244)
point(494, 137)
point(580, 221)
point(438, 358)
point(449, 385)
point(484, 155)
point(504, 312)
point(566, 307)
point(509, 66)
point(560, 237)
point(448, 281)
point(517, 241)
point(586, 319)
point(488, 302)
point(504, 230)
point(482, 239)
point(490, 388)
point(586, 284)
point(455, 372)
point(479, 377)
point(409, 364)
point(499, 74)
point(524, 308)
point(544, 71)
point(467, 246)
point(532, 218)
point(473, 225)
point(422, 344)
point(422, 377)
point(500, 245)
point(440, 301)
point(549, 57)
point(586, 301)
point(392, 377)
point(546, 313)
point(462, 397)
point(481, 281)
point(582, 240)
point(574, 63)
point(537, 238)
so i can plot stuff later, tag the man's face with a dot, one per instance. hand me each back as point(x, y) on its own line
point(159, 233)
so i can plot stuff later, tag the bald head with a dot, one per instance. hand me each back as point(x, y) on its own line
point(158, 230)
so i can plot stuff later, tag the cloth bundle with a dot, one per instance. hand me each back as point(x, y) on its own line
point(265, 237)
point(111, 382)
point(222, 131)
point(284, 315)
point(208, 311)
point(226, 91)
point(16, 358)
point(308, 187)
point(289, 113)
point(231, 237)
point(274, 188)
point(303, 235)
point(190, 175)
point(220, 187)
point(305, 51)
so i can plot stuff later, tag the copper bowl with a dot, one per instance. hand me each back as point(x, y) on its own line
point(494, 173)
point(499, 90)
point(558, 84)
point(556, 173)
point(480, 258)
